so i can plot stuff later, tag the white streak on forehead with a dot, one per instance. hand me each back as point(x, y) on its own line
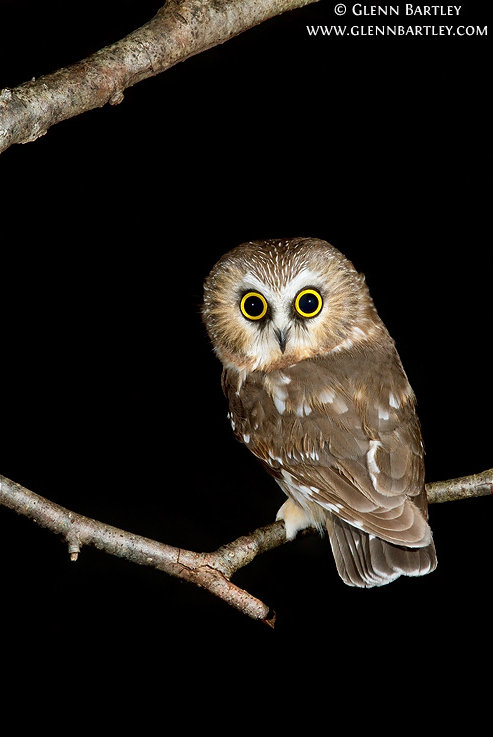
point(277, 265)
point(305, 278)
point(274, 283)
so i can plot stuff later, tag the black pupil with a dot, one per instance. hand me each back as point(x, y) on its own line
point(308, 303)
point(254, 306)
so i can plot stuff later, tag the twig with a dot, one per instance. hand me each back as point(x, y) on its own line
point(211, 571)
point(180, 29)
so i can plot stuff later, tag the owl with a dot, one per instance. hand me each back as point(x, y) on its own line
point(318, 393)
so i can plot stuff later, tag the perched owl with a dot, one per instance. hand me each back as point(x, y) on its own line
point(318, 393)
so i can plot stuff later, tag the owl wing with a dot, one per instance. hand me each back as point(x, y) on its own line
point(340, 433)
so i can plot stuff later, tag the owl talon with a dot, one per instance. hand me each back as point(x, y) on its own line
point(294, 517)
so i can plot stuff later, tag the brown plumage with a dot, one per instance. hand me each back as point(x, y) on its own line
point(317, 392)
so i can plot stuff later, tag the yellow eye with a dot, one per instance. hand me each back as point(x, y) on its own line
point(308, 303)
point(253, 305)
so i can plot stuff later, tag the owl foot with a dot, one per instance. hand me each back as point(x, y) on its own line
point(295, 518)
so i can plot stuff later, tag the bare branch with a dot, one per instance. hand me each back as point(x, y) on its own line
point(180, 29)
point(479, 484)
point(211, 571)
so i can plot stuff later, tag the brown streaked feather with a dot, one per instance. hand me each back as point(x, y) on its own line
point(365, 561)
point(354, 563)
point(347, 440)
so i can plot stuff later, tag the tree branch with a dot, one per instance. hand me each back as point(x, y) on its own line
point(211, 571)
point(180, 29)
point(478, 484)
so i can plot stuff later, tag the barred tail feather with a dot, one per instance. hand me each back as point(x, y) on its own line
point(365, 560)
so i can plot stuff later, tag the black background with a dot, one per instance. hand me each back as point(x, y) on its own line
point(111, 400)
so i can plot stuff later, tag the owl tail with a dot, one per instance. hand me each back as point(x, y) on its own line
point(364, 560)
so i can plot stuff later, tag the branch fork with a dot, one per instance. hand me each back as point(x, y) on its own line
point(211, 571)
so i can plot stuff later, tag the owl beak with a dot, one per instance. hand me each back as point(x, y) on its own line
point(282, 337)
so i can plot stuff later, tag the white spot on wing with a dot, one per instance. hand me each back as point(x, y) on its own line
point(383, 413)
point(393, 401)
point(279, 460)
point(303, 410)
point(340, 405)
point(346, 343)
point(357, 331)
point(278, 392)
point(326, 396)
point(280, 405)
point(284, 379)
point(329, 396)
point(371, 463)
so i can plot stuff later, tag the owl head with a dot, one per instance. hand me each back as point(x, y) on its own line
point(269, 304)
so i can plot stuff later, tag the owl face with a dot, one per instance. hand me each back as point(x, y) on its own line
point(269, 304)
